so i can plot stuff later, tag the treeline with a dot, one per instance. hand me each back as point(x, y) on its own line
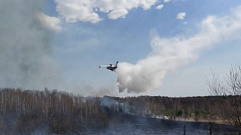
point(54, 112)
point(25, 111)
point(189, 108)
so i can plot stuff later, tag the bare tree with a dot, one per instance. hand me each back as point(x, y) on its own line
point(228, 89)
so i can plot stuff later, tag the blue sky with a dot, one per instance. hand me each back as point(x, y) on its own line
point(80, 46)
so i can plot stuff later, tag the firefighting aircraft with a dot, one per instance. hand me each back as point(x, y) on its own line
point(110, 66)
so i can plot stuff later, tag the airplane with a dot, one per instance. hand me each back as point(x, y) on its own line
point(110, 67)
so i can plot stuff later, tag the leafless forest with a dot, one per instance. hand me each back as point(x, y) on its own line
point(25, 111)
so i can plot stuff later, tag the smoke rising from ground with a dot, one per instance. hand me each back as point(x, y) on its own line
point(171, 53)
point(26, 59)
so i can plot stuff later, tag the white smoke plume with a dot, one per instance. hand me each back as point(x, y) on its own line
point(172, 53)
point(26, 53)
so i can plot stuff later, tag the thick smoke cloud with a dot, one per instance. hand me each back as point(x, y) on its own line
point(25, 47)
point(171, 53)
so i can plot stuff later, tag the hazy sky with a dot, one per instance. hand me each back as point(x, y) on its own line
point(199, 34)
point(91, 35)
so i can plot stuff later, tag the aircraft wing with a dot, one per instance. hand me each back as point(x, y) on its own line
point(103, 66)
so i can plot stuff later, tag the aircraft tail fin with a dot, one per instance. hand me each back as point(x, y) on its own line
point(116, 63)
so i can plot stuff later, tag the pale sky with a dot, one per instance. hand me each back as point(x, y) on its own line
point(102, 32)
